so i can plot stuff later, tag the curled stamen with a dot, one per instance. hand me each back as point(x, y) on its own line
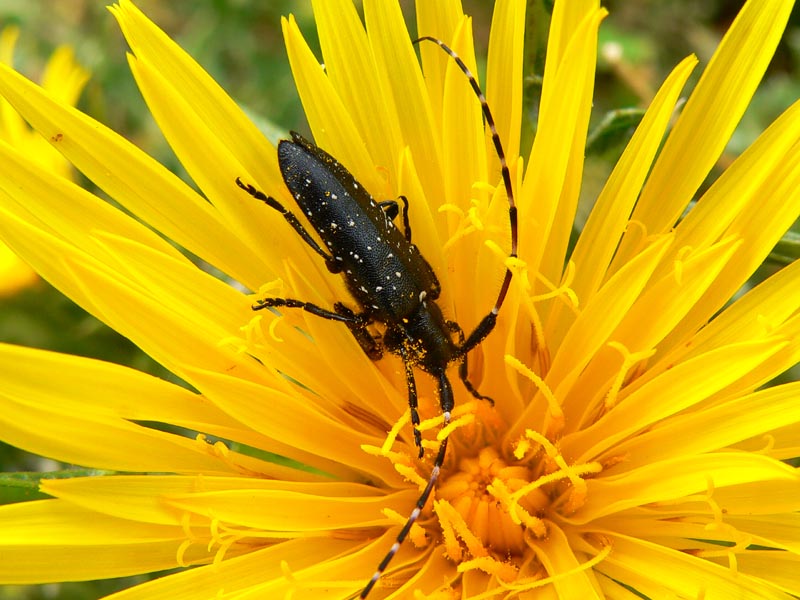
point(287, 573)
point(519, 515)
point(273, 325)
point(410, 473)
point(238, 344)
point(521, 448)
point(556, 414)
point(629, 359)
point(561, 290)
point(474, 218)
point(462, 231)
point(680, 258)
point(180, 558)
point(224, 546)
point(532, 583)
point(487, 564)
point(451, 208)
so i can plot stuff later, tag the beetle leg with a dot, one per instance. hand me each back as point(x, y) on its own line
point(308, 307)
point(370, 344)
point(292, 220)
point(411, 384)
point(391, 208)
point(463, 367)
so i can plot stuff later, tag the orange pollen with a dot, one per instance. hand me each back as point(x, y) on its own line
point(479, 512)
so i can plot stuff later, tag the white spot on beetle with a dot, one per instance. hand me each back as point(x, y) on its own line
point(398, 274)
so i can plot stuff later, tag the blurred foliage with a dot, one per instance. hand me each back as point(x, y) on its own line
point(240, 43)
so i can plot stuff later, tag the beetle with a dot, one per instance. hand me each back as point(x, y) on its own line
point(387, 276)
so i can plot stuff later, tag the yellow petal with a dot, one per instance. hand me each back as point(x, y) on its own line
point(549, 190)
point(671, 480)
point(504, 73)
point(727, 423)
point(131, 177)
point(394, 54)
point(333, 126)
point(90, 545)
point(683, 386)
point(710, 116)
point(352, 73)
point(609, 217)
point(654, 570)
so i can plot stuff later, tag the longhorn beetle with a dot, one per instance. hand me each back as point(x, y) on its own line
point(389, 279)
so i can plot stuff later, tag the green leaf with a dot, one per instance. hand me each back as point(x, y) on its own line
point(24, 486)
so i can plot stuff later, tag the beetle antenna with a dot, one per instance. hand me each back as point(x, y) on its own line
point(480, 332)
point(412, 518)
point(505, 172)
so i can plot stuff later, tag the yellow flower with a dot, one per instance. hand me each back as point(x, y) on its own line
point(632, 449)
point(65, 79)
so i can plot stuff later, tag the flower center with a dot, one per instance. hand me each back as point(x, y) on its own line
point(492, 509)
point(476, 512)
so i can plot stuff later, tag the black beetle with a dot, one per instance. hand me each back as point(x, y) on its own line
point(387, 276)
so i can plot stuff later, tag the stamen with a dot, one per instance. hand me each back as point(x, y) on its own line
point(395, 457)
point(521, 448)
point(238, 345)
point(287, 573)
point(448, 514)
point(180, 557)
point(416, 534)
point(451, 208)
point(273, 325)
point(395, 431)
point(410, 473)
point(463, 229)
point(629, 359)
point(556, 414)
point(502, 570)
point(519, 515)
point(223, 549)
point(449, 538)
point(680, 258)
point(475, 219)
point(532, 583)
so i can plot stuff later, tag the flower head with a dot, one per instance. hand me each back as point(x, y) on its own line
point(631, 447)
